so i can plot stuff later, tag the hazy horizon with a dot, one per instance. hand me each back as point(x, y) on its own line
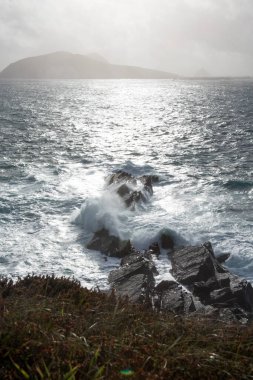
point(185, 37)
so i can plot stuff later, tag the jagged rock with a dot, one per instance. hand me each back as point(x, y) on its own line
point(136, 256)
point(121, 176)
point(143, 266)
point(133, 198)
point(130, 197)
point(137, 288)
point(126, 187)
point(169, 296)
point(166, 241)
point(147, 181)
point(110, 245)
point(199, 270)
point(134, 279)
point(192, 264)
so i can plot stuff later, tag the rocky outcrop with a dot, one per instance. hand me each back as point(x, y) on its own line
point(119, 177)
point(127, 187)
point(202, 284)
point(134, 278)
point(109, 245)
point(198, 269)
point(203, 287)
point(170, 296)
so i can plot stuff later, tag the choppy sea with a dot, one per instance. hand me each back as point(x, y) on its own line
point(60, 139)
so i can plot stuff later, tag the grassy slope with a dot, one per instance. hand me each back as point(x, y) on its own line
point(55, 329)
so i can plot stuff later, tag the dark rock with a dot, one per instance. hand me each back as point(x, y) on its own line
point(192, 264)
point(209, 247)
point(134, 279)
point(222, 297)
point(123, 190)
point(147, 183)
point(110, 245)
point(133, 198)
point(199, 270)
point(121, 176)
point(223, 257)
point(171, 297)
point(125, 186)
point(166, 241)
point(243, 292)
point(135, 257)
point(139, 267)
point(137, 288)
point(154, 248)
point(129, 196)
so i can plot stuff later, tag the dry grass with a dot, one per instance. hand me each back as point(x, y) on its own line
point(52, 328)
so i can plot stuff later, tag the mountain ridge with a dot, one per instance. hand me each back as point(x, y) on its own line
point(65, 65)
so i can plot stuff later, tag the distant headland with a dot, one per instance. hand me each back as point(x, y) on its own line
point(64, 65)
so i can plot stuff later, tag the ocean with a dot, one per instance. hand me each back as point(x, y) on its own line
point(60, 139)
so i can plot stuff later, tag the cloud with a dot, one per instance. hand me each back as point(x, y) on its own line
point(173, 35)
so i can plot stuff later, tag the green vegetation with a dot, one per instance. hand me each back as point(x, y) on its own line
point(52, 328)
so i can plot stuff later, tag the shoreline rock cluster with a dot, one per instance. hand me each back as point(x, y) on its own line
point(202, 284)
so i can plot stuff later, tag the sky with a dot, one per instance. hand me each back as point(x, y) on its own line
point(185, 37)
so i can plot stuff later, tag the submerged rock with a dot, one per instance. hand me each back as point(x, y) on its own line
point(110, 245)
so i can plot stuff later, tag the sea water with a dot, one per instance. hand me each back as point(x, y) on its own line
point(59, 140)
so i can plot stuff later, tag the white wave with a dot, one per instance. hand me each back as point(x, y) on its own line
point(106, 211)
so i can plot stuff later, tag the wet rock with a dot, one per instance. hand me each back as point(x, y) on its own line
point(170, 296)
point(166, 240)
point(154, 249)
point(110, 245)
point(136, 256)
point(134, 198)
point(223, 257)
point(121, 176)
point(125, 186)
point(147, 181)
point(123, 190)
point(129, 196)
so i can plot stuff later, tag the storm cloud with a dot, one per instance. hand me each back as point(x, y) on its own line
point(180, 36)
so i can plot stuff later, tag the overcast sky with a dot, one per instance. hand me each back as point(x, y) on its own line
point(180, 36)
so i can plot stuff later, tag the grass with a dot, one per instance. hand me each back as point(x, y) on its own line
point(52, 328)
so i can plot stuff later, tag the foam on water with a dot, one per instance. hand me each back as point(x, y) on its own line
point(107, 211)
